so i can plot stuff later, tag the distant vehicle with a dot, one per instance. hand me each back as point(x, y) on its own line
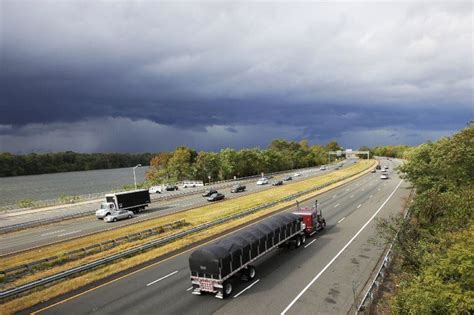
point(170, 187)
point(209, 192)
point(297, 174)
point(262, 181)
point(192, 183)
point(386, 167)
point(341, 164)
point(238, 188)
point(378, 167)
point(373, 171)
point(135, 200)
point(155, 189)
point(384, 176)
point(215, 197)
point(119, 215)
point(277, 183)
point(322, 168)
point(287, 178)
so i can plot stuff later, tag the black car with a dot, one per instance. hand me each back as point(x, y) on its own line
point(171, 187)
point(237, 188)
point(216, 196)
point(378, 167)
point(209, 192)
point(287, 178)
point(277, 183)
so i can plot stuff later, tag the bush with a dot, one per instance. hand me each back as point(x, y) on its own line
point(25, 203)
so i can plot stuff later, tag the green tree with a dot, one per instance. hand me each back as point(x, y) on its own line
point(180, 165)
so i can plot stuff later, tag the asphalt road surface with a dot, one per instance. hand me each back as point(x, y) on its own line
point(322, 277)
point(67, 229)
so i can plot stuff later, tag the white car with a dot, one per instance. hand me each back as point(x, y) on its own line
point(384, 176)
point(118, 215)
point(155, 189)
point(296, 174)
point(262, 181)
point(322, 168)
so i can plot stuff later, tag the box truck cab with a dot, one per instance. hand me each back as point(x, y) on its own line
point(135, 200)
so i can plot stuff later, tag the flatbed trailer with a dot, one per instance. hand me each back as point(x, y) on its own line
point(213, 266)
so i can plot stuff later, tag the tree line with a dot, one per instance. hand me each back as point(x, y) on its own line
point(185, 163)
point(32, 164)
point(435, 273)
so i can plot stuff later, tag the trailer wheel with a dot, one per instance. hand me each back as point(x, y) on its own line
point(303, 238)
point(227, 288)
point(298, 241)
point(251, 272)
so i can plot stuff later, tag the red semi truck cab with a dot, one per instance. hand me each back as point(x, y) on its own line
point(312, 217)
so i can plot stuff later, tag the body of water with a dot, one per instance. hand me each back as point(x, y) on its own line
point(52, 186)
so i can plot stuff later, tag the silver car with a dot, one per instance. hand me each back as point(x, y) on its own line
point(119, 215)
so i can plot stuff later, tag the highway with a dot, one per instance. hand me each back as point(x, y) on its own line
point(321, 277)
point(68, 229)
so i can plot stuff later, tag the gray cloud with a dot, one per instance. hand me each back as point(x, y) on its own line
point(320, 70)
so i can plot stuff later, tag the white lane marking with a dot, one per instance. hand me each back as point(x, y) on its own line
point(341, 220)
point(334, 196)
point(69, 233)
point(189, 289)
point(352, 196)
point(246, 288)
point(340, 252)
point(51, 233)
point(336, 206)
point(347, 189)
point(370, 196)
point(310, 243)
point(378, 189)
point(164, 277)
point(359, 206)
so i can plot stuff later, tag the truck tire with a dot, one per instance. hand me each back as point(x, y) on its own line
point(303, 238)
point(115, 220)
point(129, 216)
point(251, 272)
point(298, 241)
point(227, 289)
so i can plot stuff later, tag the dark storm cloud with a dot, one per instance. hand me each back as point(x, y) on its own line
point(319, 69)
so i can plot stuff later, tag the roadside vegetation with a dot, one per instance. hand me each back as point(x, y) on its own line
point(434, 273)
point(185, 163)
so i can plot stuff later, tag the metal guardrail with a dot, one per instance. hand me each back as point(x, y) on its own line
point(94, 248)
point(67, 273)
point(225, 184)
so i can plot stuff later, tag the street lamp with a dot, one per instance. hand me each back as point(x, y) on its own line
point(134, 176)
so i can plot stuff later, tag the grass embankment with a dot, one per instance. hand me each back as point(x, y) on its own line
point(194, 216)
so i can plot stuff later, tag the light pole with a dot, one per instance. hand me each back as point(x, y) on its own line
point(134, 176)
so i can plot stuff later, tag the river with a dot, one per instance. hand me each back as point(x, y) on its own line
point(52, 186)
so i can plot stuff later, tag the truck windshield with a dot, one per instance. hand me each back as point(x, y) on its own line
point(104, 205)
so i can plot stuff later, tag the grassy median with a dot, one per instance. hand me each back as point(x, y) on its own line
point(194, 217)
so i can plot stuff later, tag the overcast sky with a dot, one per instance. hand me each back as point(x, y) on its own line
point(139, 76)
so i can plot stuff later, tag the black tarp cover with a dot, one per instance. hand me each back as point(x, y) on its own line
point(220, 258)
